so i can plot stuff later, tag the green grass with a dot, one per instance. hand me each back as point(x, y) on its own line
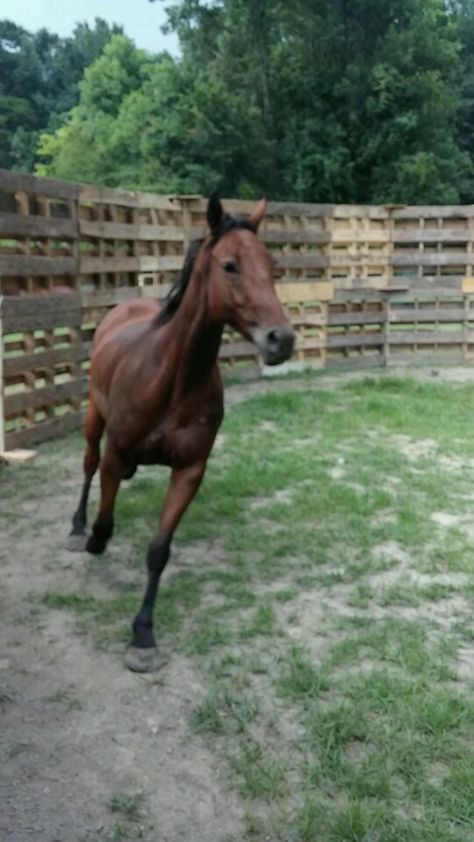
point(321, 605)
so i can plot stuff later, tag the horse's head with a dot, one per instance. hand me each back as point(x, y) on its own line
point(241, 286)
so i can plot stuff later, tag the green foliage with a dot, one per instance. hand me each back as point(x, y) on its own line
point(39, 83)
point(361, 101)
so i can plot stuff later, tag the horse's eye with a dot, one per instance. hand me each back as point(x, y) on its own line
point(230, 267)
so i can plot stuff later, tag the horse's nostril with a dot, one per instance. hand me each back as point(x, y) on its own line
point(273, 337)
point(280, 342)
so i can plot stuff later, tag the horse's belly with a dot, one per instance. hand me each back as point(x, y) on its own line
point(177, 449)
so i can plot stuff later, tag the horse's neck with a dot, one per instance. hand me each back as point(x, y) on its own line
point(194, 339)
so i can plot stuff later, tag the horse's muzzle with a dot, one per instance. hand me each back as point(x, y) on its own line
point(275, 344)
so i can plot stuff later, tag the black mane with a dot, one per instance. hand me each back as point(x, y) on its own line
point(177, 291)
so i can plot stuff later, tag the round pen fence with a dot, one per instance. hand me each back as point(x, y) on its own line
point(364, 286)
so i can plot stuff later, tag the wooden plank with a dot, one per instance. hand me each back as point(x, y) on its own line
point(303, 236)
point(27, 305)
point(17, 457)
point(44, 430)
point(306, 291)
point(36, 312)
point(429, 337)
point(357, 296)
point(129, 231)
point(145, 263)
point(20, 264)
point(302, 261)
point(13, 366)
point(17, 225)
point(432, 211)
point(110, 297)
point(42, 321)
point(430, 235)
point(431, 314)
point(354, 318)
point(426, 258)
point(89, 194)
point(47, 396)
point(355, 340)
point(13, 182)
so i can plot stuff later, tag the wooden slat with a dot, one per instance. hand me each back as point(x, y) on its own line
point(355, 340)
point(46, 396)
point(19, 264)
point(42, 359)
point(89, 194)
point(130, 231)
point(48, 429)
point(145, 263)
point(426, 258)
point(431, 235)
point(432, 211)
point(17, 225)
point(429, 337)
point(365, 318)
point(431, 314)
point(15, 181)
point(31, 312)
point(305, 292)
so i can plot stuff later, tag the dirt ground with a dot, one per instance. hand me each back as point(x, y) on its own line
point(76, 728)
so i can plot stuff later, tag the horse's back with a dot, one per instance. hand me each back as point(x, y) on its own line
point(124, 314)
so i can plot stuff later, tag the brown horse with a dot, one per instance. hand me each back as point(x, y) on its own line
point(155, 385)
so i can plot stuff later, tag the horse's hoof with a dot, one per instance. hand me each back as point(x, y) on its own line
point(76, 543)
point(140, 660)
point(94, 546)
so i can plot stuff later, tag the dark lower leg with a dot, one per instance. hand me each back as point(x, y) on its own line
point(158, 555)
point(183, 487)
point(110, 475)
point(79, 520)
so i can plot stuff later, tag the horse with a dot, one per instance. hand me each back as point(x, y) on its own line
point(156, 389)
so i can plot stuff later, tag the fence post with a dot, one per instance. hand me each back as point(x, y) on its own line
point(2, 417)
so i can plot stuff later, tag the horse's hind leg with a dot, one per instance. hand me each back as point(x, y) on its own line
point(93, 429)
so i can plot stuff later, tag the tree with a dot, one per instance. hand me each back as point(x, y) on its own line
point(39, 78)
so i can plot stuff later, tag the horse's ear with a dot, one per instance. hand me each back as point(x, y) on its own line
point(215, 212)
point(258, 214)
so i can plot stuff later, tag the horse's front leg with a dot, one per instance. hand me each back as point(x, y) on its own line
point(183, 487)
point(111, 472)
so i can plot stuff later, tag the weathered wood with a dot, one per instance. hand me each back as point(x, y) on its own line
point(431, 314)
point(16, 181)
point(19, 264)
point(44, 430)
point(430, 258)
point(305, 292)
point(129, 231)
point(13, 366)
point(354, 318)
point(27, 313)
point(46, 396)
point(432, 211)
point(145, 263)
point(355, 340)
point(428, 337)
point(17, 225)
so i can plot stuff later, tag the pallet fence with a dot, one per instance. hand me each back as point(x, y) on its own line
point(363, 285)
